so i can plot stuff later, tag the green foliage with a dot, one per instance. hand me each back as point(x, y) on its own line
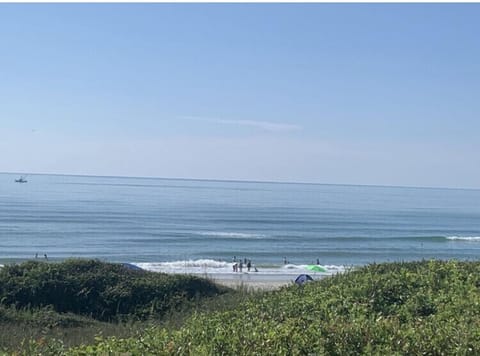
point(417, 308)
point(103, 291)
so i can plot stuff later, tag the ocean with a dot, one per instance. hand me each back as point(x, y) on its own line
point(179, 225)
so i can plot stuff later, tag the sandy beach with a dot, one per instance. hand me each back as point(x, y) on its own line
point(255, 280)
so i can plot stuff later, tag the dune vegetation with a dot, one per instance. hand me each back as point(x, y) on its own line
point(78, 300)
point(414, 308)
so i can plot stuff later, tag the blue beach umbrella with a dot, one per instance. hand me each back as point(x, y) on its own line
point(302, 279)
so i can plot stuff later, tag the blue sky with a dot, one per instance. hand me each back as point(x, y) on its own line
point(330, 93)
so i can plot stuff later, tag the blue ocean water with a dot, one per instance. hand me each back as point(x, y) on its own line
point(171, 222)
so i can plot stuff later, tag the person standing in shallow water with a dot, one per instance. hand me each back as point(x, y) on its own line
point(249, 265)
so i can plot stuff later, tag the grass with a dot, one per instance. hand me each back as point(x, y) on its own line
point(78, 300)
point(414, 308)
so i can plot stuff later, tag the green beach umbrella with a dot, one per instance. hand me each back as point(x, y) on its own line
point(316, 268)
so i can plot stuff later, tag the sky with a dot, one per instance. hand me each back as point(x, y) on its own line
point(378, 94)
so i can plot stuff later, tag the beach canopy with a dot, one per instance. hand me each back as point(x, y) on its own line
point(303, 278)
point(316, 268)
point(132, 267)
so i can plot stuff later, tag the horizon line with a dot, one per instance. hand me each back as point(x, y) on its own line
point(242, 181)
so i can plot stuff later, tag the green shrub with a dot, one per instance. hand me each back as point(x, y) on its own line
point(104, 291)
point(416, 308)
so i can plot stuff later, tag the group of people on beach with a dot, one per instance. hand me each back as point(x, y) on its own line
point(238, 265)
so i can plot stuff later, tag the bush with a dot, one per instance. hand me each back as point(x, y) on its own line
point(104, 291)
point(426, 307)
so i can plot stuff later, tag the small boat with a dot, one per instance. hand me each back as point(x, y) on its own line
point(21, 180)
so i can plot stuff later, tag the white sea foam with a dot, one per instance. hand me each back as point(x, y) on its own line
point(232, 235)
point(464, 238)
point(208, 266)
point(187, 266)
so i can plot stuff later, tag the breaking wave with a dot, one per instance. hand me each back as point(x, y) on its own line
point(232, 235)
point(207, 266)
point(464, 238)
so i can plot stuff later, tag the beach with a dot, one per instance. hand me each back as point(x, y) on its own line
point(261, 277)
point(255, 280)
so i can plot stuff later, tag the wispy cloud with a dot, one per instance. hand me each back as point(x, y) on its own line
point(262, 125)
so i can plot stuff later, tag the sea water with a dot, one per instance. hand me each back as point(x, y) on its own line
point(199, 226)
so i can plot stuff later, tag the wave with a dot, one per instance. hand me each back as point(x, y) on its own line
point(209, 266)
point(232, 235)
point(464, 238)
point(187, 263)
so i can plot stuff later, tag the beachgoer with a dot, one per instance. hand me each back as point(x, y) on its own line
point(234, 259)
point(240, 266)
point(318, 261)
point(244, 260)
point(36, 255)
point(234, 267)
point(249, 265)
point(255, 269)
point(45, 255)
point(285, 261)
